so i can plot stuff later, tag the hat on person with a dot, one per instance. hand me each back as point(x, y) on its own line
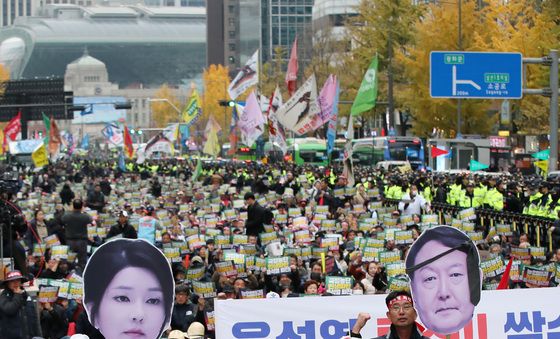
point(195, 331)
point(149, 209)
point(14, 275)
point(197, 259)
point(176, 334)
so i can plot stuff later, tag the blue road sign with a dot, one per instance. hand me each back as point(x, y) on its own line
point(476, 75)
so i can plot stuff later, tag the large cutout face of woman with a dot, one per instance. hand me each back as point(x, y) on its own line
point(443, 266)
point(129, 290)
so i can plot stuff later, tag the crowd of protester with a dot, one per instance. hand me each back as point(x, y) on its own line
point(219, 225)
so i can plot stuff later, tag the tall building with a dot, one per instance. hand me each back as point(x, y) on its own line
point(233, 30)
point(12, 9)
point(245, 27)
point(282, 21)
point(331, 15)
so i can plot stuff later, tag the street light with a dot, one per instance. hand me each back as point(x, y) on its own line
point(169, 102)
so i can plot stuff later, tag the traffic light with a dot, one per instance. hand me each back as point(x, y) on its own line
point(132, 131)
point(140, 132)
point(227, 103)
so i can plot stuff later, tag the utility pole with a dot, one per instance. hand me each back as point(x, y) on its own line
point(553, 111)
point(552, 92)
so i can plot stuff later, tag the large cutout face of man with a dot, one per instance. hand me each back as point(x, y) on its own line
point(443, 266)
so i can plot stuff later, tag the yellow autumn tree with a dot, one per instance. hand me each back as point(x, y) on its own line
point(273, 73)
point(437, 30)
point(381, 27)
point(515, 26)
point(528, 28)
point(216, 81)
point(163, 111)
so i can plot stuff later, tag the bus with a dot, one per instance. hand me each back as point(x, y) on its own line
point(308, 151)
point(245, 153)
point(370, 151)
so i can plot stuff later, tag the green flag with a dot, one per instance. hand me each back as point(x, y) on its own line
point(47, 123)
point(542, 155)
point(477, 166)
point(197, 171)
point(367, 94)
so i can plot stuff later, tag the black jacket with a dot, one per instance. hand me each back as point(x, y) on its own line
point(126, 230)
point(66, 195)
point(18, 316)
point(183, 316)
point(256, 215)
point(76, 225)
point(54, 322)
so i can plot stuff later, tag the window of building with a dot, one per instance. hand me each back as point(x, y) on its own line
point(169, 3)
point(232, 47)
point(232, 34)
point(231, 8)
point(231, 21)
point(91, 78)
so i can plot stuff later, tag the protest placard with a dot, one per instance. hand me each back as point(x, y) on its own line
point(204, 289)
point(277, 265)
point(536, 276)
point(388, 257)
point(195, 273)
point(226, 268)
point(59, 252)
point(339, 285)
point(493, 267)
point(173, 254)
point(248, 294)
point(47, 294)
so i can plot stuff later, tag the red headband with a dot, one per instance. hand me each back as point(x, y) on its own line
point(401, 297)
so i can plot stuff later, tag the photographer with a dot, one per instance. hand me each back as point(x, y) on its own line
point(13, 228)
point(18, 315)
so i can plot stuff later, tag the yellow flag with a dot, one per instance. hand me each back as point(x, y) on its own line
point(543, 165)
point(193, 110)
point(40, 157)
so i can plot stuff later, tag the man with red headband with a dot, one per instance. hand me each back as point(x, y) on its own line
point(402, 314)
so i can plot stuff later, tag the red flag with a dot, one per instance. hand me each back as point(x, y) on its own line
point(291, 74)
point(436, 152)
point(128, 147)
point(504, 283)
point(13, 127)
point(54, 137)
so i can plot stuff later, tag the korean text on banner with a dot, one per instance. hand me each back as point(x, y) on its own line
point(534, 314)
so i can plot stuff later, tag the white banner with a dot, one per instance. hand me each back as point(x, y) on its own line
point(515, 314)
point(300, 112)
point(247, 77)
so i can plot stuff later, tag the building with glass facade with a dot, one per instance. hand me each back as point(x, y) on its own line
point(12, 9)
point(282, 21)
point(140, 45)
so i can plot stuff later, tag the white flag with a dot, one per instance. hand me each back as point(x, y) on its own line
point(248, 76)
point(275, 128)
point(251, 122)
point(299, 114)
point(348, 170)
point(171, 132)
